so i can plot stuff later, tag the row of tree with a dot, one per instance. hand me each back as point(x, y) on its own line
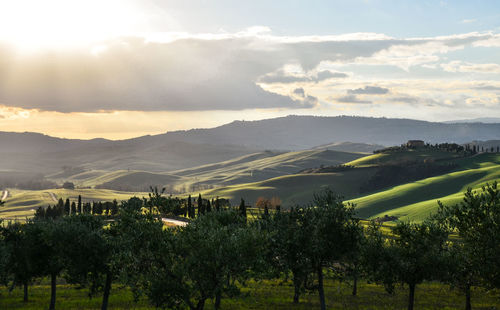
point(155, 203)
point(214, 255)
point(465, 150)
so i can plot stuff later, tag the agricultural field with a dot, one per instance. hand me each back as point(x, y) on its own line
point(23, 203)
point(249, 168)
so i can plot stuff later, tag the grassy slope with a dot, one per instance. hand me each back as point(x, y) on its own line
point(295, 189)
point(22, 203)
point(401, 157)
point(416, 200)
point(248, 168)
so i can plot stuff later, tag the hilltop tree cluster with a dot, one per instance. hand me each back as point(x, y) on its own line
point(214, 255)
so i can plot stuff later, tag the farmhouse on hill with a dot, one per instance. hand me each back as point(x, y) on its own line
point(415, 143)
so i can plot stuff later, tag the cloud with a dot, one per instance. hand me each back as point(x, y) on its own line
point(327, 74)
point(369, 90)
point(405, 99)
point(306, 100)
point(487, 87)
point(202, 72)
point(280, 76)
point(469, 21)
point(460, 66)
point(299, 92)
point(352, 99)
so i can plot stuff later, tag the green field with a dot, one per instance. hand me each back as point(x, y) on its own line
point(416, 200)
point(273, 294)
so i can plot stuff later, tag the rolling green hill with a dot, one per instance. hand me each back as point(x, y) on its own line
point(297, 188)
point(249, 168)
point(411, 201)
point(416, 200)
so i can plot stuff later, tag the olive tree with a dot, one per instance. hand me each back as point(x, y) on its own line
point(476, 220)
point(204, 260)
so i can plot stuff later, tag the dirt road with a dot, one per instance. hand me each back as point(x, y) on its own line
point(5, 194)
point(52, 196)
point(174, 222)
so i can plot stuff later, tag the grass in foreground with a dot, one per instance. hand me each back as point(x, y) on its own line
point(267, 295)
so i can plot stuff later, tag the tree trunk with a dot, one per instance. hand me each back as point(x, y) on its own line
point(355, 284)
point(107, 290)
point(200, 305)
point(321, 289)
point(25, 284)
point(296, 294)
point(53, 278)
point(217, 300)
point(468, 305)
point(411, 297)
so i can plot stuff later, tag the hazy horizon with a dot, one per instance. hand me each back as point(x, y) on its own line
point(148, 67)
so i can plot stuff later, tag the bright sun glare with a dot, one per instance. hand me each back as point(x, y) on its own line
point(34, 24)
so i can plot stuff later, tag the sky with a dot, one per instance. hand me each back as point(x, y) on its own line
point(121, 69)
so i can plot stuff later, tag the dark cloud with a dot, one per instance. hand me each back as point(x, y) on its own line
point(352, 99)
point(488, 87)
point(183, 75)
point(406, 99)
point(299, 92)
point(368, 90)
point(310, 101)
point(327, 74)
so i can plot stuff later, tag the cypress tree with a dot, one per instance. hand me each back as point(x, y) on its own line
point(73, 207)
point(48, 212)
point(201, 209)
point(40, 213)
point(114, 207)
point(217, 204)
point(106, 206)
point(98, 208)
point(190, 207)
point(79, 205)
point(243, 208)
point(67, 207)
point(209, 206)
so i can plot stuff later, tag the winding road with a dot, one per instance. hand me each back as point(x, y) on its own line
point(175, 222)
point(5, 194)
point(52, 196)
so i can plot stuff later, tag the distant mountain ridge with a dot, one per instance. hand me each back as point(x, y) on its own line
point(184, 149)
point(303, 132)
point(485, 120)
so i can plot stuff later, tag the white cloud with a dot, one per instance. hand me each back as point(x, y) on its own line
point(468, 21)
point(460, 66)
